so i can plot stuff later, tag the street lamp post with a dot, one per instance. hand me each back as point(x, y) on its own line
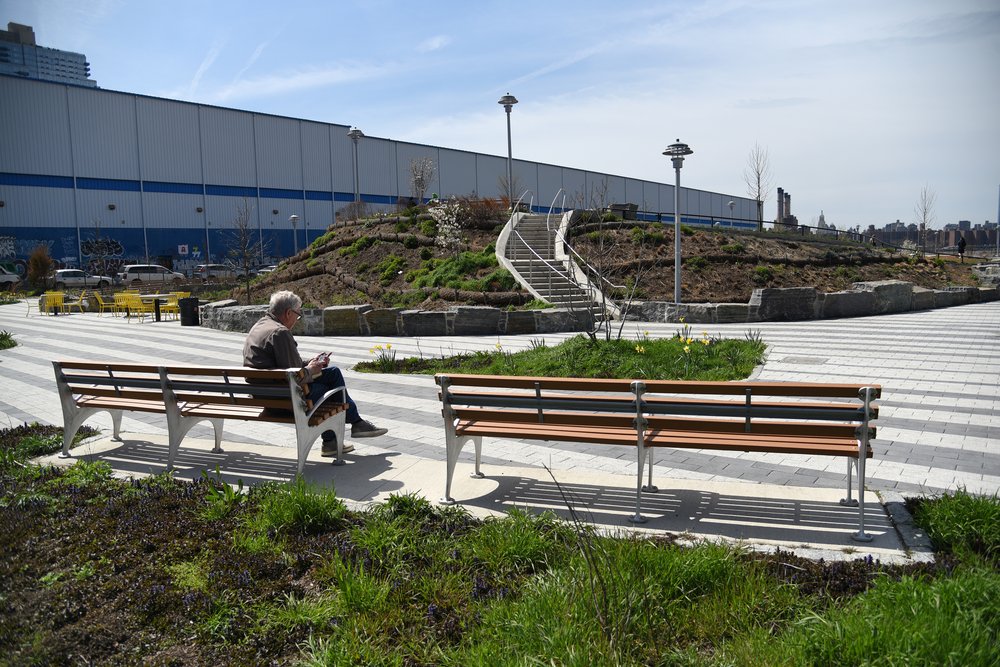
point(355, 134)
point(732, 205)
point(676, 152)
point(294, 219)
point(508, 101)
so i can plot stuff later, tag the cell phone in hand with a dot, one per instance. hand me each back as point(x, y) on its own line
point(324, 357)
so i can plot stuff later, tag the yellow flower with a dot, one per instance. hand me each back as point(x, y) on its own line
point(706, 342)
point(687, 350)
point(388, 346)
point(640, 349)
point(690, 340)
point(681, 319)
point(499, 346)
point(704, 334)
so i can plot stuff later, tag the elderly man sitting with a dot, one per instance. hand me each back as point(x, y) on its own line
point(270, 345)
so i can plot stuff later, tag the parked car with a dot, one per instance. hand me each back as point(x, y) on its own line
point(265, 269)
point(76, 278)
point(135, 274)
point(8, 279)
point(213, 272)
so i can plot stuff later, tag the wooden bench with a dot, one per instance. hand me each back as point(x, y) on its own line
point(188, 395)
point(770, 417)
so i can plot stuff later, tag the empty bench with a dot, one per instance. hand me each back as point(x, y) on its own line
point(187, 395)
point(768, 417)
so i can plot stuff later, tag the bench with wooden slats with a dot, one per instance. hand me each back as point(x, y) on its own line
point(767, 417)
point(188, 395)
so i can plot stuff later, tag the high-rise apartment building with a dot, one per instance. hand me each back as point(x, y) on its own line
point(20, 56)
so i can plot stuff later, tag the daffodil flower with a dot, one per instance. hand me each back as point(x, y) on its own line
point(687, 350)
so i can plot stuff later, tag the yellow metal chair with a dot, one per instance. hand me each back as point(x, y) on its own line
point(171, 306)
point(78, 304)
point(53, 302)
point(136, 306)
point(105, 306)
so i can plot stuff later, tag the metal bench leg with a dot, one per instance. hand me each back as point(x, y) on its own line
point(861, 535)
point(849, 501)
point(650, 488)
point(638, 517)
point(478, 442)
point(453, 447)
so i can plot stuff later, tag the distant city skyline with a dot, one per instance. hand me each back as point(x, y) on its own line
point(859, 105)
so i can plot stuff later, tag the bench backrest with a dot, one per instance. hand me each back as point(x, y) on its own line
point(144, 382)
point(763, 407)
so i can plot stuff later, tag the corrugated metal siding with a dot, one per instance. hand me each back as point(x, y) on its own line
point(105, 143)
point(169, 141)
point(172, 210)
point(317, 168)
point(489, 170)
point(549, 183)
point(376, 158)
point(34, 129)
point(279, 152)
point(525, 178)
point(93, 205)
point(343, 158)
point(318, 218)
point(26, 206)
point(227, 140)
point(458, 170)
point(574, 182)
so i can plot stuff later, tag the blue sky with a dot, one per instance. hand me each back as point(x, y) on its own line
point(859, 104)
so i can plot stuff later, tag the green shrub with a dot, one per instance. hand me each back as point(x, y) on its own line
point(389, 268)
point(426, 254)
point(960, 522)
point(411, 242)
point(695, 263)
point(403, 224)
point(429, 228)
point(361, 243)
point(763, 274)
point(7, 340)
point(734, 248)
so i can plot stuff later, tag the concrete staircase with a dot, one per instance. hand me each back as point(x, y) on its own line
point(532, 256)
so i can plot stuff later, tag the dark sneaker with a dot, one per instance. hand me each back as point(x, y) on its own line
point(330, 448)
point(365, 429)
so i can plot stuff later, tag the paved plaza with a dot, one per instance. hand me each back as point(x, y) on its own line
point(938, 429)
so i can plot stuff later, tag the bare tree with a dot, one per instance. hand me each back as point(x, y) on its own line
point(925, 215)
point(757, 176)
point(509, 193)
point(245, 244)
point(421, 175)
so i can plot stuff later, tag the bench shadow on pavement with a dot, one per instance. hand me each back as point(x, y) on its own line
point(817, 523)
point(358, 480)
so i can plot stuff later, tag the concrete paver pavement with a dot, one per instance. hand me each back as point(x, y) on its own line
point(939, 426)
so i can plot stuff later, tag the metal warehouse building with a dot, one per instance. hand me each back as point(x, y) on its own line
point(150, 177)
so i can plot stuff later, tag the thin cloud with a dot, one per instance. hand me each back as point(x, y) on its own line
point(278, 84)
point(253, 58)
point(434, 43)
point(206, 63)
point(772, 103)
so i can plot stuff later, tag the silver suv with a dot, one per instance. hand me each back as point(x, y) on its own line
point(148, 273)
point(76, 278)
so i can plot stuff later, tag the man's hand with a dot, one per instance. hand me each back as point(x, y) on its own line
point(318, 363)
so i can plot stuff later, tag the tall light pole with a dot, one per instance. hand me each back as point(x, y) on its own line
point(676, 152)
point(294, 219)
point(508, 101)
point(355, 134)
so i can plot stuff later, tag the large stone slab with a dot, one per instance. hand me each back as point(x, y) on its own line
point(343, 320)
point(729, 313)
point(476, 321)
point(785, 303)
point(226, 316)
point(520, 322)
point(383, 321)
point(953, 296)
point(850, 303)
point(922, 299)
point(891, 296)
point(554, 320)
point(424, 323)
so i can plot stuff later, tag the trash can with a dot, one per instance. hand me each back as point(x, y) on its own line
point(189, 311)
